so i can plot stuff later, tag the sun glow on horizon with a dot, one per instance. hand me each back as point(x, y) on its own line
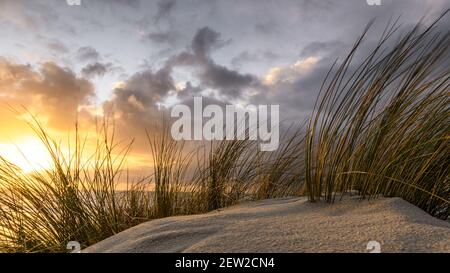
point(29, 154)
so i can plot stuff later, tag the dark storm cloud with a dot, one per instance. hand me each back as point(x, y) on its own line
point(300, 94)
point(140, 93)
point(152, 85)
point(164, 9)
point(297, 96)
point(135, 103)
point(227, 81)
point(189, 91)
point(311, 26)
point(204, 40)
point(87, 54)
point(96, 69)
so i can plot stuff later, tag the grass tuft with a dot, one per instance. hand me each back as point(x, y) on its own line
point(381, 126)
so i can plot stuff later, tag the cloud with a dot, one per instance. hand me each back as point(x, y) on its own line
point(134, 103)
point(290, 73)
point(188, 91)
point(247, 56)
point(267, 27)
point(12, 74)
point(318, 48)
point(87, 53)
point(57, 47)
point(52, 92)
point(204, 40)
point(164, 9)
point(32, 15)
point(228, 82)
point(96, 69)
point(164, 37)
point(129, 3)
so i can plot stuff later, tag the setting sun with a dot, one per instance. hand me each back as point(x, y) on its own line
point(29, 154)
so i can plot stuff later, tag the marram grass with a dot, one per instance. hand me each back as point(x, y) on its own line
point(382, 126)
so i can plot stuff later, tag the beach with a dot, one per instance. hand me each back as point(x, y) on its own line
point(290, 225)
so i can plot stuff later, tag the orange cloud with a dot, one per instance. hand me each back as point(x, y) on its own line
point(53, 93)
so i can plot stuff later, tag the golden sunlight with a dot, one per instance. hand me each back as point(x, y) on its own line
point(29, 154)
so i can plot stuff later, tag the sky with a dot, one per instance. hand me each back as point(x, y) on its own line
point(131, 57)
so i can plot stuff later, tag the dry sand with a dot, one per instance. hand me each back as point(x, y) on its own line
point(290, 225)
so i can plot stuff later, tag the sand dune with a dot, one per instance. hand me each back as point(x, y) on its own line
point(290, 225)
